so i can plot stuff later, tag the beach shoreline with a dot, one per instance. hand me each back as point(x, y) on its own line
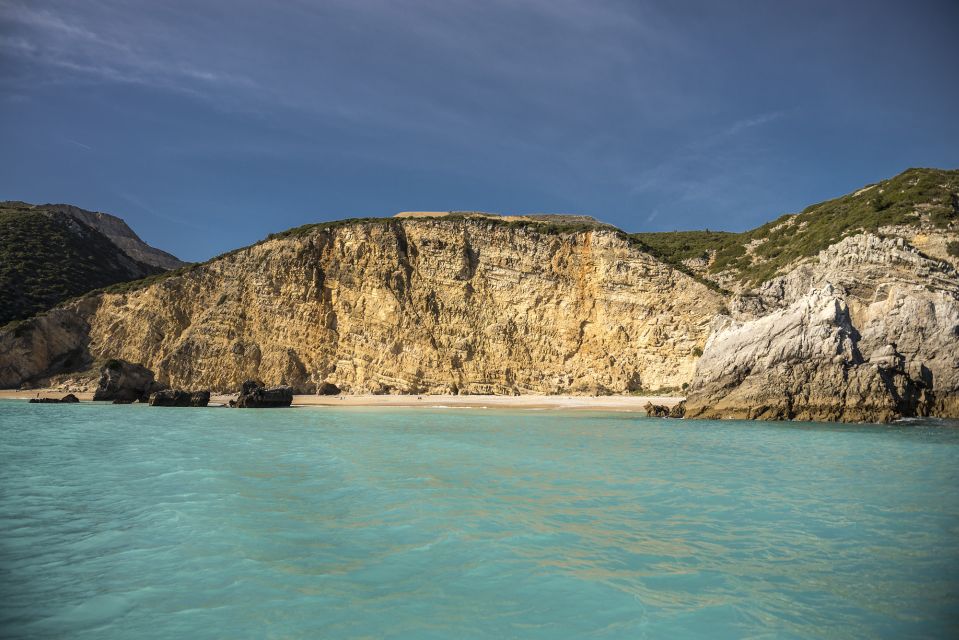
point(615, 403)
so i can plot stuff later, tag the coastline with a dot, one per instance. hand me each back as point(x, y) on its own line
point(614, 403)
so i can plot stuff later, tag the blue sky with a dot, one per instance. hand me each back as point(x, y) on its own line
point(208, 125)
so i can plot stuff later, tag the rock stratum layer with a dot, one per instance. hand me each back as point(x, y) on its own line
point(396, 305)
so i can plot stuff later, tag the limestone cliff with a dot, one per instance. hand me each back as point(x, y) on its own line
point(868, 332)
point(848, 311)
point(443, 305)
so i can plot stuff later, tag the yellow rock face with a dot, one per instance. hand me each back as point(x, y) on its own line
point(414, 305)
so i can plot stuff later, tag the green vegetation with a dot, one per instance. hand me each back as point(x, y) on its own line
point(550, 225)
point(953, 249)
point(306, 229)
point(672, 247)
point(677, 246)
point(916, 196)
point(46, 258)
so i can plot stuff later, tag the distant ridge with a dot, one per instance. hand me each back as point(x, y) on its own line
point(121, 235)
point(50, 253)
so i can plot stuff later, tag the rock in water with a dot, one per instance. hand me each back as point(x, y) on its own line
point(170, 398)
point(179, 398)
point(124, 381)
point(678, 410)
point(67, 399)
point(656, 410)
point(256, 396)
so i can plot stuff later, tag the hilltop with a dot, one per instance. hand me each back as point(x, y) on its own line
point(49, 253)
point(917, 201)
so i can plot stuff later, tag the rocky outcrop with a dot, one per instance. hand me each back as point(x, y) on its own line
point(122, 381)
point(179, 398)
point(866, 333)
point(678, 410)
point(67, 399)
point(656, 410)
point(254, 395)
point(398, 306)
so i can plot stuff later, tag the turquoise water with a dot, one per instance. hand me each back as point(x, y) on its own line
point(139, 522)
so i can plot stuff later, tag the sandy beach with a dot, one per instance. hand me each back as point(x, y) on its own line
point(614, 403)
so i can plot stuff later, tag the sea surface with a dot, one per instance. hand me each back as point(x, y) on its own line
point(140, 522)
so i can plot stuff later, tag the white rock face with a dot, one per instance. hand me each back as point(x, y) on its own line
point(869, 332)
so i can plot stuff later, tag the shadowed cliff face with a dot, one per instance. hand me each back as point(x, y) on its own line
point(414, 305)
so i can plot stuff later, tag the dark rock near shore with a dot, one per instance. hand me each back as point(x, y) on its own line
point(125, 381)
point(678, 410)
point(119, 401)
point(67, 399)
point(256, 396)
point(179, 398)
point(662, 411)
point(328, 389)
point(656, 410)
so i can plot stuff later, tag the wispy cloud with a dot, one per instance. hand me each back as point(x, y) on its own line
point(154, 212)
point(717, 171)
point(672, 173)
point(85, 147)
point(748, 123)
point(57, 42)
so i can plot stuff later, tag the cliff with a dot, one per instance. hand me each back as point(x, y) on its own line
point(462, 304)
point(865, 330)
point(847, 311)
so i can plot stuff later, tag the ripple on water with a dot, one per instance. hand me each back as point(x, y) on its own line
point(119, 522)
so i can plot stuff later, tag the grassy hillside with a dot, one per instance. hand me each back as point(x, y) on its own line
point(46, 257)
point(917, 197)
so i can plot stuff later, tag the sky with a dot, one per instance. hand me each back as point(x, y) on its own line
point(207, 125)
